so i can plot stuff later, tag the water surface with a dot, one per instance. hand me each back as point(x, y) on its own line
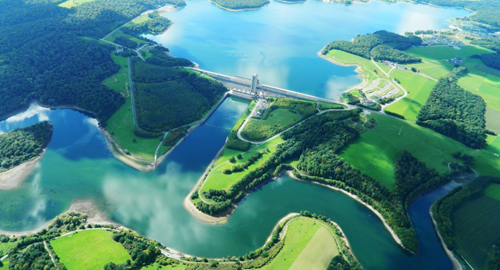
point(280, 43)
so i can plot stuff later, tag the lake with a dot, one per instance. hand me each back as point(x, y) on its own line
point(279, 42)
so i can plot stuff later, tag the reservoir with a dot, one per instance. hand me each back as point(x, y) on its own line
point(279, 42)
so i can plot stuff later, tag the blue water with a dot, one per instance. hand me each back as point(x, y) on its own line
point(280, 43)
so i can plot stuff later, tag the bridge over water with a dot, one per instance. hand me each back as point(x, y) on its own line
point(251, 88)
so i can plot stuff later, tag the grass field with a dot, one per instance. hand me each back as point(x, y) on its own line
point(446, 52)
point(121, 124)
point(305, 239)
point(493, 191)
point(217, 180)
point(6, 247)
point(91, 249)
point(418, 88)
point(119, 81)
point(376, 150)
point(5, 265)
point(328, 106)
point(476, 228)
point(72, 3)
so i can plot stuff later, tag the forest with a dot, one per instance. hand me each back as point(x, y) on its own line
point(381, 45)
point(241, 4)
point(24, 144)
point(167, 98)
point(45, 57)
point(456, 113)
point(486, 11)
point(34, 257)
point(491, 59)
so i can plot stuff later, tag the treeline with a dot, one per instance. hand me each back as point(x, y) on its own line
point(154, 24)
point(21, 145)
point(241, 4)
point(443, 209)
point(490, 43)
point(381, 45)
point(486, 11)
point(413, 178)
point(491, 60)
point(456, 113)
point(162, 58)
point(384, 52)
point(167, 98)
point(143, 252)
point(493, 258)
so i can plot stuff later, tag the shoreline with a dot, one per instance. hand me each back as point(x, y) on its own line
point(454, 261)
point(86, 207)
point(358, 70)
point(240, 9)
point(356, 198)
point(15, 177)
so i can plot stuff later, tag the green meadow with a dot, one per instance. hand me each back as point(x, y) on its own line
point(119, 81)
point(87, 250)
point(475, 227)
point(72, 3)
point(376, 150)
point(217, 180)
point(309, 244)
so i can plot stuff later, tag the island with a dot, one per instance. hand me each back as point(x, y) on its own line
point(20, 151)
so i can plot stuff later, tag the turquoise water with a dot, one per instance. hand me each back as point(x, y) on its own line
point(280, 43)
point(78, 165)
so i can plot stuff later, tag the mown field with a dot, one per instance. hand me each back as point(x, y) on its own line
point(308, 245)
point(418, 88)
point(476, 228)
point(375, 151)
point(119, 34)
point(87, 250)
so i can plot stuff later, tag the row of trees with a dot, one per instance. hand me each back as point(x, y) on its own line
point(21, 145)
point(381, 45)
point(456, 113)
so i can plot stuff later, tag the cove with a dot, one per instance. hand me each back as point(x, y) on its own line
point(280, 41)
point(78, 165)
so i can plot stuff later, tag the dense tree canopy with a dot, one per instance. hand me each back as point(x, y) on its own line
point(167, 98)
point(21, 145)
point(45, 57)
point(491, 60)
point(456, 113)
